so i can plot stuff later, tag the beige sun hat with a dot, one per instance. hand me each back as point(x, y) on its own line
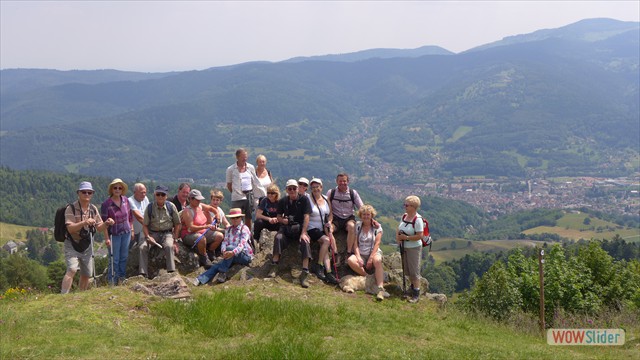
point(116, 181)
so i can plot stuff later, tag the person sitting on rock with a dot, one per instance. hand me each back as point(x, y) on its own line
point(267, 213)
point(198, 227)
point(293, 214)
point(236, 249)
point(367, 258)
point(160, 227)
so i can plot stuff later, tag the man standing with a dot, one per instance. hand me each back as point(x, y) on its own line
point(82, 220)
point(138, 203)
point(180, 199)
point(241, 182)
point(161, 225)
point(293, 213)
point(344, 201)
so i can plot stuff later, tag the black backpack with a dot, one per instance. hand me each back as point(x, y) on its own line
point(60, 232)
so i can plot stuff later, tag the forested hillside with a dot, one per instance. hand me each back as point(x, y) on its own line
point(543, 105)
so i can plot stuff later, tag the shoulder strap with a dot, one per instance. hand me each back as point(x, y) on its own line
point(318, 206)
point(352, 197)
point(149, 209)
point(331, 195)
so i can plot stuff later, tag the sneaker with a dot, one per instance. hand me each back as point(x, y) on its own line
point(273, 271)
point(331, 279)
point(380, 295)
point(304, 282)
point(222, 277)
point(320, 272)
point(195, 282)
point(415, 297)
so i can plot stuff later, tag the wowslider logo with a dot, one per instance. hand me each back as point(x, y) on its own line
point(585, 337)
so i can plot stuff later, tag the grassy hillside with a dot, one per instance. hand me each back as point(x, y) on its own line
point(442, 250)
point(11, 232)
point(572, 226)
point(266, 320)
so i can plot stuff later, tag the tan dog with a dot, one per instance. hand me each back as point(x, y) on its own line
point(353, 283)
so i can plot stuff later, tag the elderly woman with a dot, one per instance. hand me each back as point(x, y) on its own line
point(264, 176)
point(367, 258)
point(236, 249)
point(267, 213)
point(320, 230)
point(118, 235)
point(409, 237)
point(198, 227)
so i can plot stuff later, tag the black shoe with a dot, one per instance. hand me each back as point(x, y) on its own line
point(222, 277)
point(320, 272)
point(304, 282)
point(415, 296)
point(331, 279)
point(204, 261)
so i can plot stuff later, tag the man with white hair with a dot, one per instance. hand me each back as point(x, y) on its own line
point(138, 203)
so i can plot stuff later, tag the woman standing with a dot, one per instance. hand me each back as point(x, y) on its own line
point(320, 230)
point(367, 258)
point(264, 176)
point(118, 235)
point(409, 238)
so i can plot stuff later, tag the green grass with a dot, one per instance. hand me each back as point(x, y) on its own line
point(460, 132)
point(264, 320)
point(462, 249)
point(10, 232)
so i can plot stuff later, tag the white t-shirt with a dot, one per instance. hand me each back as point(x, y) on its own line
point(366, 239)
point(409, 229)
point(140, 206)
point(315, 220)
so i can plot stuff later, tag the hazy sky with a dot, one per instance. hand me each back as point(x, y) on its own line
point(154, 36)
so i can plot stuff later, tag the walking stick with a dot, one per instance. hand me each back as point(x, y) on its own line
point(111, 256)
point(93, 257)
point(333, 256)
point(404, 280)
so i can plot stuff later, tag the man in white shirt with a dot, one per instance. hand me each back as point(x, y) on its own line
point(241, 182)
point(138, 203)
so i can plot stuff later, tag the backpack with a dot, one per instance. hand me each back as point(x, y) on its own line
point(333, 191)
point(426, 235)
point(169, 209)
point(60, 232)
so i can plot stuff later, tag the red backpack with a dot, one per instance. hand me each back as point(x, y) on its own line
point(426, 235)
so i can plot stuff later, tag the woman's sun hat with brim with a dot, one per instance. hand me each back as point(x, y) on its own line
point(234, 213)
point(116, 181)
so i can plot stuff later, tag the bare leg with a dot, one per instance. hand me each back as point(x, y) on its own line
point(67, 280)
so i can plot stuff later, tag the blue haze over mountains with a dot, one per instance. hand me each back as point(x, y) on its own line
point(556, 102)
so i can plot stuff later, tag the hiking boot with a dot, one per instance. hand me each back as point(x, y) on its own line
point(415, 297)
point(320, 272)
point(273, 270)
point(331, 279)
point(204, 261)
point(222, 277)
point(304, 282)
point(380, 295)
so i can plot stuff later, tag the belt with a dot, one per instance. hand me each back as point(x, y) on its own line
point(246, 191)
point(160, 231)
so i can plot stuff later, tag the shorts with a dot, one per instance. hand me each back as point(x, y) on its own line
point(245, 205)
point(365, 259)
point(191, 238)
point(78, 260)
point(341, 224)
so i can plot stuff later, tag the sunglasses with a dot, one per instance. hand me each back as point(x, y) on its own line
point(117, 188)
point(302, 184)
point(271, 193)
point(316, 187)
point(161, 195)
point(86, 192)
point(407, 205)
point(292, 188)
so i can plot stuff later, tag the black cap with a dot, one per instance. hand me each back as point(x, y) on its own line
point(162, 189)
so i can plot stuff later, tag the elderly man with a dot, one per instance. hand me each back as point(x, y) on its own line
point(181, 198)
point(293, 213)
point(241, 183)
point(82, 220)
point(138, 203)
point(343, 202)
point(161, 225)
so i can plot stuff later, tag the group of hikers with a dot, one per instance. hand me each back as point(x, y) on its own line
point(222, 240)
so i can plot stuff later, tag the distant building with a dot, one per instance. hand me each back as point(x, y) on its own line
point(11, 247)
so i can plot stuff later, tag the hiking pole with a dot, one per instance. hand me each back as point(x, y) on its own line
point(333, 256)
point(404, 280)
point(111, 255)
point(93, 257)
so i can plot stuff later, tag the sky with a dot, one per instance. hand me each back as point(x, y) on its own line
point(162, 36)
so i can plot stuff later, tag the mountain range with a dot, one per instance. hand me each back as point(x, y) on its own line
point(556, 102)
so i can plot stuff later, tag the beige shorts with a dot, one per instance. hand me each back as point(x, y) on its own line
point(78, 260)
